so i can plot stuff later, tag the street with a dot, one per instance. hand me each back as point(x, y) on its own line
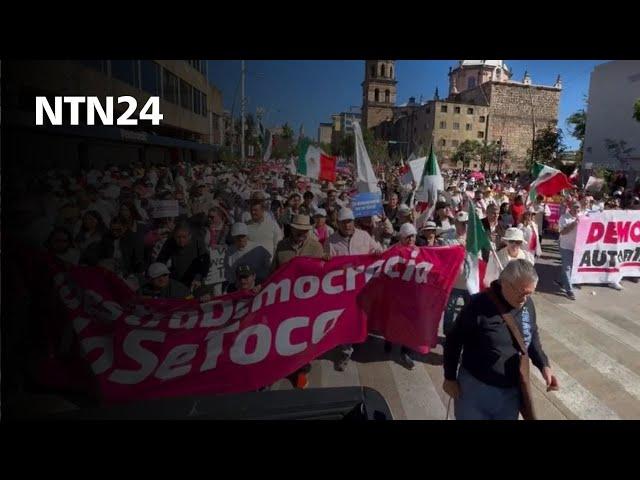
point(593, 344)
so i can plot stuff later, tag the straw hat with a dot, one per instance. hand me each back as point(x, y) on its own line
point(301, 222)
point(513, 235)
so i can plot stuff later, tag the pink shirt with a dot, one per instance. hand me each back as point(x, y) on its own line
point(361, 243)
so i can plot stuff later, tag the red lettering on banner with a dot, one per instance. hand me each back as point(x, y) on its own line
point(623, 231)
point(610, 235)
point(595, 232)
point(635, 232)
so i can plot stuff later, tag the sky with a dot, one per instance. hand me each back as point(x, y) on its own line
point(308, 92)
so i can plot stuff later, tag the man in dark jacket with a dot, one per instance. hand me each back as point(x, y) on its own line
point(121, 251)
point(186, 256)
point(486, 387)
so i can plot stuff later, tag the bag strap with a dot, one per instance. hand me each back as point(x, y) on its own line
point(509, 321)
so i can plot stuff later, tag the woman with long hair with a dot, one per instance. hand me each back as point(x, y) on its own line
point(91, 230)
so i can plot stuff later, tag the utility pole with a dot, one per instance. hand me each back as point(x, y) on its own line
point(242, 107)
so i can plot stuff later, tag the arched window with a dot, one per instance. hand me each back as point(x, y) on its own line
point(472, 82)
point(498, 73)
point(390, 72)
point(373, 70)
point(387, 96)
point(377, 95)
point(382, 70)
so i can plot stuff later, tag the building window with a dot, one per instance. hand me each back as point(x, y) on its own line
point(125, 70)
point(390, 72)
point(204, 110)
point(480, 134)
point(387, 96)
point(471, 82)
point(382, 70)
point(150, 76)
point(498, 73)
point(443, 108)
point(373, 70)
point(377, 95)
point(427, 110)
point(481, 118)
point(186, 95)
point(443, 142)
point(197, 101)
point(443, 124)
point(468, 127)
point(169, 86)
point(455, 143)
point(456, 109)
point(469, 111)
point(456, 126)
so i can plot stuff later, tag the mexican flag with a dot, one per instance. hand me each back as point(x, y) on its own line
point(477, 239)
point(314, 163)
point(548, 181)
point(431, 181)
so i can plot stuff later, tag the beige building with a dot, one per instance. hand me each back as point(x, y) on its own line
point(613, 90)
point(191, 107)
point(484, 104)
point(324, 133)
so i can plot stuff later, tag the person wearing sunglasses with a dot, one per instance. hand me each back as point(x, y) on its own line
point(514, 250)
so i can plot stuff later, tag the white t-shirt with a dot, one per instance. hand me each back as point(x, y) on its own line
point(568, 240)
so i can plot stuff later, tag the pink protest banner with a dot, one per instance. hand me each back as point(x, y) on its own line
point(607, 247)
point(141, 349)
point(554, 218)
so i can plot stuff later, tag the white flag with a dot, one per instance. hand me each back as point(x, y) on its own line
point(365, 176)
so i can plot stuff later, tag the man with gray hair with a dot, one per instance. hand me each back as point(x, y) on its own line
point(486, 386)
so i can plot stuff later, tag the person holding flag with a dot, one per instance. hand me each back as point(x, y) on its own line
point(514, 250)
point(530, 233)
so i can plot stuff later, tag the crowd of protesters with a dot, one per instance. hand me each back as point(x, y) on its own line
point(156, 226)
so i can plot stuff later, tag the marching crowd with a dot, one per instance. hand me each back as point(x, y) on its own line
point(156, 227)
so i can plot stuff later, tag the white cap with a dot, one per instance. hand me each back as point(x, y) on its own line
point(407, 229)
point(513, 234)
point(319, 212)
point(157, 270)
point(462, 217)
point(404, 208)
point(345, 214)
point(238, 229)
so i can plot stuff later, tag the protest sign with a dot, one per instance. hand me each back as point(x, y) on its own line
point(366, 204)
point(607, 247)
point(554, 218)
point(216, 270)
point(164, 209)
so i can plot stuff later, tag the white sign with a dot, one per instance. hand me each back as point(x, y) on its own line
point(607, 247)
point(594, 184)
point(164, 209)
point(216, 270)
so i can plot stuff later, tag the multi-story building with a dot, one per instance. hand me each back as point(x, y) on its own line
point(192, 125)
point(342, 126)
point(483, 104)
point(613, 90)
point(324, 133)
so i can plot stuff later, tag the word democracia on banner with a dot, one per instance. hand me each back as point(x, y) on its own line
point(156, 344)
point(94, 108)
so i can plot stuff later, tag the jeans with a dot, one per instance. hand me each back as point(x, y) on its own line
point(479, 401)
point(450, 312)
point(566, 258)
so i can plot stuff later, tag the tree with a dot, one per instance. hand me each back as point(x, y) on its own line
point(547, 147)
point(287, 131)
point(327, 148)
point(578, 125)
point(466, 152)
point(636, 110)
point(489, 154)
